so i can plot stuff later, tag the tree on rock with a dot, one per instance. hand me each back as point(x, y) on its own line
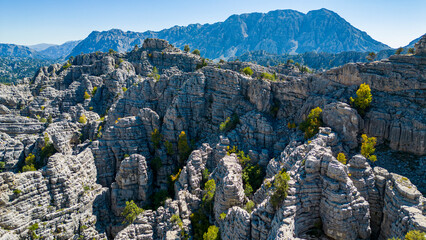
point(363, 98)
point(196, 52)
point(371, 56)
point(186, 48)
point(312, 123)
point(367, 147)
point(281, 188)
point(212, 233)
point(411, 50)
point(131, 212)
point(399, 50)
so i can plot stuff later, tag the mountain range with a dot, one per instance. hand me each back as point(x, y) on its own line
point(276, 32)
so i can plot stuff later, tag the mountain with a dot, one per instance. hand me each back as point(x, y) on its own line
point(277, 32)
point(411, 44)
point(41, 46)
point(12, 50)
point(207, 149)
point(59, 51)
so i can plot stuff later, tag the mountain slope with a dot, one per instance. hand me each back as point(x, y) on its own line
point(41, 46)
point(59, 51)
point(12, 50)
point(277, 32)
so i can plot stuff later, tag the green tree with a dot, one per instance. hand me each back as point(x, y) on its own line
point(341, 158)
point(186, 48)
point(196, 52)
point(156, 138)
point(86, 95)
point(399, 50)
point(212, 233)
point(312, 123)
point(208, 195)
point(363, 98)
point(183, 148)
point(415, 235)
point(367, 147)
point(111, 51)
point(371, 56)
point(269, 76)
point(131, 212)
point(29, 163)
point(247, 71)
point(169, 148)
point(281, 188)
point(82, 119)
point(249, 206)
point(411, 50)
point(230, 123)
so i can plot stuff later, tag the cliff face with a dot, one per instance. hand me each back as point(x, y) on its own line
point(93, 127)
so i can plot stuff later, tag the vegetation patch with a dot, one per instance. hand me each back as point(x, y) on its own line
point(312, 123)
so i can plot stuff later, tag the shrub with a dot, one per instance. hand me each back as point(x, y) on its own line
point(230, 123)
point(202, 64)
point(252, 178)
point(281, 188)
point(208, 195)
point(43, 120)
point(415, 235)
point(94, 91)
point(156, 138)
point(49, 119)
point(341, 158)
point(212, 233)
point(363, 98)
point(29, 163)
point(196, 52)
point(126, 155)
point(399, 50)
point(367, 147)
point(200, 223)
point(290, 61)
point(247, 71)
point(124, 89)
point(411, 50)
point(111, 51)
point(158, 198)
point(371, 56)
point(32, 230)
point(249, 206)
point(131, 212)
point(154, 74)
point(183, 148)
point(169, 148)
point(175, 177)
point(86, 95)
point(291, 125)
point(2, 165)
point(17, 191)
point(269, 76)
point(82, 119)
point(312, 123)
point(67, 65)
point(186, 48)
point(48, 149)
point(222, 216)
point(221, 61)
point(156, 164)
point(176, 220)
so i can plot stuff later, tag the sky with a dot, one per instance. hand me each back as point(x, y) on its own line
point(28, 22)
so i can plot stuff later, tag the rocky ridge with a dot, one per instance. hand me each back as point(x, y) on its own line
point(99, 114)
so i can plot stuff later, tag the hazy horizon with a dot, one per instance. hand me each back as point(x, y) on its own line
point(389, 22)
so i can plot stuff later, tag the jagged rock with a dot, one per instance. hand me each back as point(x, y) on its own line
point(420, 46)
point(229, 185)
point(344, 120)
point(236, 224)
point(14, 125)
point(11, 151)
point(133, 181)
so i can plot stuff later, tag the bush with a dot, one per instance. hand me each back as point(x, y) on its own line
point(131, 212)
point(252, 178)
point(196, 52)
point(183, 148)
point(17, 191)
point(249, 206)
point(208, 195)
point(94, 91)
point(371, 56)
point(47, 150)
point(156, 138)
point(247, 71)
point(281, 188)
point(230, 123)
point(67, 65)
point(124, 89)
point(341, 158)
point(82, 119)
point(399, 50)
point(111, 51)
point(86, 95)
point(176, 220)
point(2, 165)
point(363, 98)
point(154, 74)
point(202, 64)
point(312, 123)
point(269, 76)
point(158, 198)
point(43, 120)
point(212, 233)
point(222, 216)
point(32, 230)
point(186, 48)
point(411, 50)
point(415, 235)
point(367, 147)
point(29, 163)
point(200, 223)
point(169, 148)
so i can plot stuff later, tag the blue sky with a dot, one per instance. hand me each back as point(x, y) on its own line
point(28, 22)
